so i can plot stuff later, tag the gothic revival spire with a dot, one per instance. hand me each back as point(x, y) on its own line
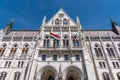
point(10, 24)
point(115, 27)
point(112, 22)
point(8, 28)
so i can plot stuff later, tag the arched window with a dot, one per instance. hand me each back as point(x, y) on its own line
point(3, 75)
point(65, 21)
point(105, 76)
point(75, 41)
point(46, 43)
point(57, 21)
point(119, 47)
point(55, 43)
point(17, 76)
point(2, 49)
point(24, 51)
point(65, 42)
point(118, 76)
point(110, 50)
point(13, 51)
point(98, 50)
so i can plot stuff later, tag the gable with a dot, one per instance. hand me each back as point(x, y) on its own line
point(60, 16)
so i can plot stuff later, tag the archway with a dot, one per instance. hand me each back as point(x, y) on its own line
point(48, 75)
point(72, 75)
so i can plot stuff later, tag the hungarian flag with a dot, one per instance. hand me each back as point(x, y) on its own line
point(54, 36)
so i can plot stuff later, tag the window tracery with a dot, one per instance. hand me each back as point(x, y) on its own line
point(110, 50)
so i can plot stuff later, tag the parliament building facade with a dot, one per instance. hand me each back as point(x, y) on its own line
point(60, 50)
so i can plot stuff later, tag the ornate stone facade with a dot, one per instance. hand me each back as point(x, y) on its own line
point(60, 50)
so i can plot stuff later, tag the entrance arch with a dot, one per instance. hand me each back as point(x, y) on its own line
point(72, 73)
point(48, 75)
point(47, 72)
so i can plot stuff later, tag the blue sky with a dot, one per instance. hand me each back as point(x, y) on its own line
point(28, 14)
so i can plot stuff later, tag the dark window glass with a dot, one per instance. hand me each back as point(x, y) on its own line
point(43, 57)
point(104, 64)
point(66, 57)
point(7, 64)
point(54, 57)
point(77, 57)
point(100, 64)
point(117, 64)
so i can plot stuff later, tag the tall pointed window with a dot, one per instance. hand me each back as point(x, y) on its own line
point(75, 41)
point(3, 75)
point(65, 22)
point(7, 64)
point(118, 76)
point(17, 76)
point(119, 47)
point(98, 51)
point(24, 51)
point(65, 42)
point(105, 76)
point(46, 43)
point(55, 43)
point(110, 50)
point(20, 63)
point(57, 22)
point(13, 51)
point(102, 64)
point(116, 64)
point(2, 50)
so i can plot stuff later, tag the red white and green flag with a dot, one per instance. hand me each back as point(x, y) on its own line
point(54, 36)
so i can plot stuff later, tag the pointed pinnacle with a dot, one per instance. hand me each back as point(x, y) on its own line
point(11, 22)
point(112, 22)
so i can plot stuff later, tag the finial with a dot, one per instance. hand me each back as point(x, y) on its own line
point(61, 9)
point(44, 20)
point(77, 20)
